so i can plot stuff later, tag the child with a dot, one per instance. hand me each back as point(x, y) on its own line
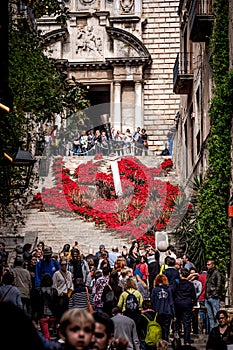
point(76, 329)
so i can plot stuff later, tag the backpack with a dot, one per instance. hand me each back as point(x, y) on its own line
point(131, 303)
point(137, 271)
point(153, 331)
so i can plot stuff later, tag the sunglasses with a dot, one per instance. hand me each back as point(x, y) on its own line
point(63, 264)
point(99, 335)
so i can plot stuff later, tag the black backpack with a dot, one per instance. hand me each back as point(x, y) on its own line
point(131, 303)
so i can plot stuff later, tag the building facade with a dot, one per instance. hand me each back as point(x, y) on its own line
point(123, 53)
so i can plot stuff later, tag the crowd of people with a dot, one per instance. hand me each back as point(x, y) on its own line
point(95, 141)
point(113, 295)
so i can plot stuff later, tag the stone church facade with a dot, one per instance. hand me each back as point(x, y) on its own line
point(123, 52)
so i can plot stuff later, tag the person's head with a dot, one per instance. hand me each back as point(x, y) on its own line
point(184, 273)
point(113, 278)
point(27, 247)
point(46, 280)
point(186, 258)
point(104, 331)
point(178, 264)
point(79, 282)
point(147, 304)
point(63, 264)
point(161, 279)
point(98, 274)
point(221, 317)
point(116, 311)
point(210, 264)
point(102, 248)
point(170, 261)
point(66, 248)
point(106, 270)
point(8, 278)
point(47, 253)
point(41, 245)
point(171, 249)
point(75, 254)
point(2, 246)
point(130, 283)
point(77, 328)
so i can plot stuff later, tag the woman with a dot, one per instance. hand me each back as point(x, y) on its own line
point(144, 138)
point(80, 295)
point(131, 289)
point(111, 293)
point(220, 335)
point(163, 304)
point(133, 254)
point(142, 268)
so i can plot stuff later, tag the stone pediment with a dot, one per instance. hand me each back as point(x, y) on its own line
point(135, 47)
point(55, 35)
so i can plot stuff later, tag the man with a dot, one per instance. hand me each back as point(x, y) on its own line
point(79, 267)
point(171, 272)
point(126, 327)
point(153, 264)
point(22, 280)
point(104, 334)
point(184, 296)
point(100, 251)
point(187, 264)
point(112, 256)
point(46, 265)
point(213, 290)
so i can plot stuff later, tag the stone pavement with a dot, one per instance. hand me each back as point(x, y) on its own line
point(57, 230)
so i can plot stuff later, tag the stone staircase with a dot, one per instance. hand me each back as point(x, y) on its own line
point(57, 229)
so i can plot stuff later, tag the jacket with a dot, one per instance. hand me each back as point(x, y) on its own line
point(213, 284)
point(85, 271)
point(184, 294)
point(162, 300)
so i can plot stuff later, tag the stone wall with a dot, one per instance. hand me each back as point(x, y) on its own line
point(161, 36)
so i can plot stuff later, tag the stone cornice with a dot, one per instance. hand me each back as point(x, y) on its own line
point(124, 18)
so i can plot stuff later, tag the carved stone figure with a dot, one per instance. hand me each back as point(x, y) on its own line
point(127, 5)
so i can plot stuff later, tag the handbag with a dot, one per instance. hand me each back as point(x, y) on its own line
point(145, 143)
point(89, 306)
point(69, 292)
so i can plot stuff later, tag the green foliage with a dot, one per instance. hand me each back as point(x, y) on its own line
point(40, 89)
point(213, 195)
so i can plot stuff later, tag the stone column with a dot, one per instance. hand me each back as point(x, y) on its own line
point(138, 105)
point(117, 106)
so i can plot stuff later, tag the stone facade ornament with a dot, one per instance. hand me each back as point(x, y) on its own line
point(87, 2)
point(127, 5)
point(88, 42)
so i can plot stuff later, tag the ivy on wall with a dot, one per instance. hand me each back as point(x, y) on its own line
point(213, 195)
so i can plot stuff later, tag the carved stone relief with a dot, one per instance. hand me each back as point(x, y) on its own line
point(89, 42)
point(127, 5)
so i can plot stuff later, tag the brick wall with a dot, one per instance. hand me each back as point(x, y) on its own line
point(161, 36)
